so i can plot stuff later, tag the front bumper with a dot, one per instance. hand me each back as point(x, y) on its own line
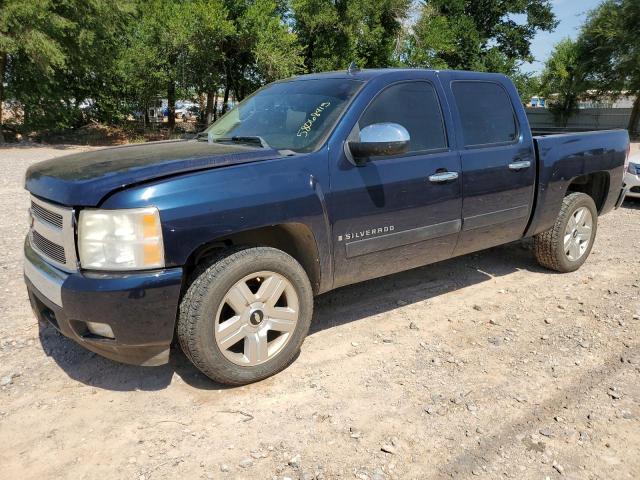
point(632, 182)
point(140, 308)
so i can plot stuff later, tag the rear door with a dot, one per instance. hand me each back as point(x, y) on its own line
point(387, 215)
point(498, 160)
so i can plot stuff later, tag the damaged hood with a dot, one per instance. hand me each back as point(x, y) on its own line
point(84, 179)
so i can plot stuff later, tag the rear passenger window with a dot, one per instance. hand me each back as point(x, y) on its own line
point(486, 113)
point(415, 106)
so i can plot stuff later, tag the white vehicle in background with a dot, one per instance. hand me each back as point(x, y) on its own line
point(185, 110)
point(632, 176)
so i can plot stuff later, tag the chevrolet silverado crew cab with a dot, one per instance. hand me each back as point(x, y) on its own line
point(223, 240)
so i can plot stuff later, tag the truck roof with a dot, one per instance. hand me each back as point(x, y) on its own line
point(370, 73)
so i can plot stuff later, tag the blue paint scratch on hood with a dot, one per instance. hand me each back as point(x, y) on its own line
point(84, 179)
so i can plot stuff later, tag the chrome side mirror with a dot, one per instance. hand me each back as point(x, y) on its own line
point(380, 139)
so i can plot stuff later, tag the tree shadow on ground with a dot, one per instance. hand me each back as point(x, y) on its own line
point(332, 309)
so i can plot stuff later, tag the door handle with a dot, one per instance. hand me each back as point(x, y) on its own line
point(519, 165)
point(443, 177)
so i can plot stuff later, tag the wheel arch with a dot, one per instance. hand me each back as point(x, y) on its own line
point(595, 184)
point(295, 239)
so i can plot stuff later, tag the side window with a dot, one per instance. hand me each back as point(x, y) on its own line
point(486, 113)
point(415, 106)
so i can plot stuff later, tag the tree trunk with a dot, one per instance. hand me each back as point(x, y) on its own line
point(215, 106)
point(227, 89)
point(210, 106)
point(566, 111)
point(226, 98)
point(171, 100)
point(635, 116)
point(3, 67)
point(202, 104)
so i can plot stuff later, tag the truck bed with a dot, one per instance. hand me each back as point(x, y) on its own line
point(565, 157)
point(546, 131)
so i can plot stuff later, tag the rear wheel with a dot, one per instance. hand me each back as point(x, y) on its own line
point(245, 316)
point(566, 246)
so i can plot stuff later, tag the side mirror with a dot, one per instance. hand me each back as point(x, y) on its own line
point(380, 139)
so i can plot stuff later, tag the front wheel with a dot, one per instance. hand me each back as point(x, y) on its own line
point(566, 245)
point(245, 316)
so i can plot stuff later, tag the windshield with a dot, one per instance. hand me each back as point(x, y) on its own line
point(294, 115)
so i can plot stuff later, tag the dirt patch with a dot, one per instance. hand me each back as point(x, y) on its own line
point(483, 366)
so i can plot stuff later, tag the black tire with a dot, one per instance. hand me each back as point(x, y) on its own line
point(199, 307)
point(548, 246)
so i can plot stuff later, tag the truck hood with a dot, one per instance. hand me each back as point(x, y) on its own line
point(84, 179)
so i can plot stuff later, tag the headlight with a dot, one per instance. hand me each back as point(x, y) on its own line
point(634, 169)
point(120, 239)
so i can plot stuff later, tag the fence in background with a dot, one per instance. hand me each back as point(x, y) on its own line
point(585, 119)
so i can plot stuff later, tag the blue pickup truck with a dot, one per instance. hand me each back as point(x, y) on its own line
point(222, 241)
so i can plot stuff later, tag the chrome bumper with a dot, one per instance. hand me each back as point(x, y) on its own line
point(46, 279)
point(632, 181)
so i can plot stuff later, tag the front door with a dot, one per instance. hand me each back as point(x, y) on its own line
point(396, 213)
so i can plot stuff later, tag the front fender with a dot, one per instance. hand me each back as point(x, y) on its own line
point(204, 206)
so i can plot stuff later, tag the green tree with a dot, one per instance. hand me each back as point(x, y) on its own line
point(528, 85)
point(488, 35)
point(199, 46)
point(261, 49)
point(29, 30)
point(274, 48)
point(334, 33)
point(611, 47)
point(563, 80)
point(157, 54)
point(206, 56)
point(93, 43)
point(61, 54)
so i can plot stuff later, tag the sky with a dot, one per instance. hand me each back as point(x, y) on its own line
point(571, 14)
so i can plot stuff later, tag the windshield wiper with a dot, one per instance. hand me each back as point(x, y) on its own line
point(247, 140)
point(244, 139)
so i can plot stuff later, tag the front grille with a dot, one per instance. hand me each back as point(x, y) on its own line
point(635, 189)
point(50, 249)
point(46, 215)
point(52, 234)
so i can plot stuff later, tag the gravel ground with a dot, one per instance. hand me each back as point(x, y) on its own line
point(484, 366)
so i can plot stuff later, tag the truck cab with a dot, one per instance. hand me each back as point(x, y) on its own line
point(465, 182)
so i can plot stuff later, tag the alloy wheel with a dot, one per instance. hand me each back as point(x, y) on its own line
point(256, 318)
point(577, 234)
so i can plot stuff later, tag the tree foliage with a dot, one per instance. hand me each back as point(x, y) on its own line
point(610, 47)
point(563, 80)
point(29, 35)
point(261, 49)
point(488, 35)
point(67, 61)
point(159, 45)
point(118, 55)
point(603, 62)
point(336, 32)
point(529, 85)
point(57, 54)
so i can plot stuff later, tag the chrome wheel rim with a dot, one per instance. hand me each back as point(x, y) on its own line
point(256, 318)
point(577, 235)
